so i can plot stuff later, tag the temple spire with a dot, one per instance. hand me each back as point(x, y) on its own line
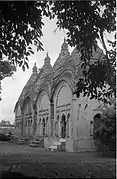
point(34, 70)
point(47, 65)
point(64, 48)
point(64, 45)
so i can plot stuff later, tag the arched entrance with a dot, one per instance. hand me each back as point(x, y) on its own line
point(97, 122)
point(63, 126)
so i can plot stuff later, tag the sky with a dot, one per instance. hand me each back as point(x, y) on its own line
point(13, 86)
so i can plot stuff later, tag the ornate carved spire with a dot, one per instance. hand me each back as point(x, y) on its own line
point(64, 48)
point(47, 66)
point(63, 56)
point(64, 45)
point(35, 68)
point(47, 59)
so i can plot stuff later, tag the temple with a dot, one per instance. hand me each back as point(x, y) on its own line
point(48, 108)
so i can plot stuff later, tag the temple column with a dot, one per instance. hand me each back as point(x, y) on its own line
point(70, 127)
point(74, 116)
point(41, 125)
point(51, 119)
point(34, 119)
point(22, 123)
point(59, 127)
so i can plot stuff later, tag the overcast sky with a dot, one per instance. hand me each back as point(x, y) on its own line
point(12, 86)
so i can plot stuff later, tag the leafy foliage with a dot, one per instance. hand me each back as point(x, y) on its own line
point(6, 137)
point(87, 21)
point(6, 69)
point(20, 28)
point(106, 133)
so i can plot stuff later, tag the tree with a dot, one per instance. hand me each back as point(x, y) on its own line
point(20, 28)
point(86, 21)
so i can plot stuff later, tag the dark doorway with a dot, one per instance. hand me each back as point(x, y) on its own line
point(63, 126)
point(43, 126)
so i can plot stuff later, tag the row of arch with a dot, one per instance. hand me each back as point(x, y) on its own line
point(63, 95)
point(51, 97)
point(61, 126)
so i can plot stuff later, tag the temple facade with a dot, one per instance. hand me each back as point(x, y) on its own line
point(48, 107)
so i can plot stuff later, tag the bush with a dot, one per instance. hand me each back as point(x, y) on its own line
point(105, 135)
point(6, 137)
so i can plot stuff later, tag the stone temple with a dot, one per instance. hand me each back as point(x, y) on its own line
point(48, 109)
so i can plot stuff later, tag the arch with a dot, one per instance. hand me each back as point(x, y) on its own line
point(57, 86)
point(27, 99)
point(98, 115)
point(44, 88)
point(64, 95)
point(96, 122)
point(40, 96)
point(45, 85)
point(68, 76)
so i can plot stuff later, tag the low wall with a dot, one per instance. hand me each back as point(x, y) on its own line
point(47, 142)
point(69, 145)
point(83, 145)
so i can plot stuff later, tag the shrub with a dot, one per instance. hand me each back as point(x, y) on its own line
point(105, 135)
point(6, 137)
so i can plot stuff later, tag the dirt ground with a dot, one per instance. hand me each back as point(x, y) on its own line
point(41, 163)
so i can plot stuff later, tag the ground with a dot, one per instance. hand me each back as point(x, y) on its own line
point(41, 163)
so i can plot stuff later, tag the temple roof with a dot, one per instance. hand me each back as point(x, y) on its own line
point(63, 56)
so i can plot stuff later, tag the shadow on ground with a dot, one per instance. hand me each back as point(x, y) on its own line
point(14, 175)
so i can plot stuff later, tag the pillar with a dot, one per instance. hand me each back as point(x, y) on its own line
point(74, 117)
point(34, 119)
point(51, 119)
point(59, 126)
point(22, 123)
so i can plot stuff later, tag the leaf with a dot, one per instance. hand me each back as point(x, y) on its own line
point(26, 64)
point(23, 67)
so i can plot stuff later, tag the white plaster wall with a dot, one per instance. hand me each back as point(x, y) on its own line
point(84, 139)
point(85, 116)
